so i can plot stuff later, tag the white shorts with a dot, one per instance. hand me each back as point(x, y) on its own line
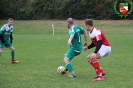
point(104, 51)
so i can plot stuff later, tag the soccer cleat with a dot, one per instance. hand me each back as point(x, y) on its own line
point(71, 76)
point(103, 73)
point(15, 62)
point(64, 72)
point(98, 78)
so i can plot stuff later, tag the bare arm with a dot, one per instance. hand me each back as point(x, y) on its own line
point(70, 39)
point(85, 38)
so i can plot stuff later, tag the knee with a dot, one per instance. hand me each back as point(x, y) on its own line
point(12, 49)
point(1, 51)
point(66, 60)
point(88, 58)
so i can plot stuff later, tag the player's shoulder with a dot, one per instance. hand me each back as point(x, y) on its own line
point(96, 31)
point(75, 27)
point(4, 25)
point(78, 27)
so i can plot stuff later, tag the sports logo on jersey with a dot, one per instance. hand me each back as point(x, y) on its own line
point(7, 33)
point(123, 8)
point(77, 30)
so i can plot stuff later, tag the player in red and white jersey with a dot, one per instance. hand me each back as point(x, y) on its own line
point(102, 48)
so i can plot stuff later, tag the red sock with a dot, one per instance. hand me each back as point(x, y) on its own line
point(96, 66)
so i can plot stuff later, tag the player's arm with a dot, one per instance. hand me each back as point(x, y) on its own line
point(1, 38)
point(82, 30)
point(1, 34)
point(11, 38)
point(70, 39)
point(91, 45)
point(99, 44)
point(85, 39)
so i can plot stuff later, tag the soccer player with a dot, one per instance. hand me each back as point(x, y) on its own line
point(75, 48)
point(5, 34)
point(102, 48)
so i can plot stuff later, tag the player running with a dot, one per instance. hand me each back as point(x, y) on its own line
point(5, 33)
point(75, 48)
point(102, 48)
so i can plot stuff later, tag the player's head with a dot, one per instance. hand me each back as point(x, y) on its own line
point(10, 21)
point(88, 24)
point(70, 22)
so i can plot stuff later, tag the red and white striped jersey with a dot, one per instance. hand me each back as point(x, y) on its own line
point(96, 34)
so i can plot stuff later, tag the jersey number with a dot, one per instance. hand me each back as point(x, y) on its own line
point(79, 36)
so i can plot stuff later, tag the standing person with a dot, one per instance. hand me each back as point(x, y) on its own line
point(75, 44)
point(5, 34)
point(102, 48)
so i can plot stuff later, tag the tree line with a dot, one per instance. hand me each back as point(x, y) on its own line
point(59, 9)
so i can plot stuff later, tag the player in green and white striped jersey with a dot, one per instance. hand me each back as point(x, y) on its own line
point(75, 44)
point(5, 34)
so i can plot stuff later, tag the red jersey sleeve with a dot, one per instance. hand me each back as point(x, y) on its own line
point(96, 35)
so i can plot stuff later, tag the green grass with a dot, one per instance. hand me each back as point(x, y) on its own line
point(40, 53)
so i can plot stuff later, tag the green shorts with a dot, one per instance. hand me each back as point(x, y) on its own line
point(6, 44)
point(72, 53)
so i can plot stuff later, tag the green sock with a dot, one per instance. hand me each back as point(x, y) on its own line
point(70, 68)
point(12, 54)
point(72, 72)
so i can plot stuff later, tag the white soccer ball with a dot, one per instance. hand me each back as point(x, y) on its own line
point(60, 69)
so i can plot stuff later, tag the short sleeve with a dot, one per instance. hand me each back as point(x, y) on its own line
point(97, 34)
point(2, 29)
point(82, 30)
point(72, 32)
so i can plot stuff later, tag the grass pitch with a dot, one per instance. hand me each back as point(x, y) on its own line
point(40, 53)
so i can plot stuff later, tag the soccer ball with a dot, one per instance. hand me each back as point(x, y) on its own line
point(60, 69)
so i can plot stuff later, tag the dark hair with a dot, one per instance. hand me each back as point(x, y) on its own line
point(70, 21)
point(89, 22)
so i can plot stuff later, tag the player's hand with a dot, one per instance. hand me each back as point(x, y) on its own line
point(85, 44)
point(85, 48)
point(93, 56)
point(69, 43)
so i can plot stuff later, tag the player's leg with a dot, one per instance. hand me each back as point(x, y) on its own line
point(97, 57)
point(104, 51)
point(1, 50)
point(13, 55)
point(96, 66)
point(69, 66)
point(69, 56)
point(8, 44)
point(95, 63)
